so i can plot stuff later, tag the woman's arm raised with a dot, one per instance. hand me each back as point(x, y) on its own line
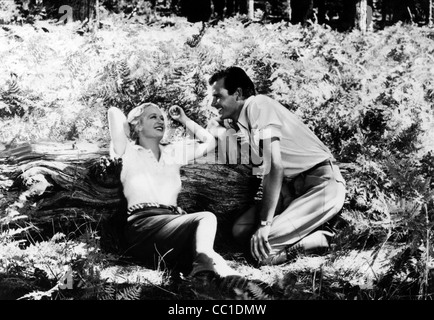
point(208, 140)
point(118, 125)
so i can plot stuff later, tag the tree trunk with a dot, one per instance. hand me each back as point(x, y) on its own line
point(58, 186)
point(430, 13)
point(361, 15)
point(97, 13)
point(251, 9)
point(288, 10)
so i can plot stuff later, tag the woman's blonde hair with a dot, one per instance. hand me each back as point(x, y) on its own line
point(134, 116)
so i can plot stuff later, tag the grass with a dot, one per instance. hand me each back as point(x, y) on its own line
point(34, 270)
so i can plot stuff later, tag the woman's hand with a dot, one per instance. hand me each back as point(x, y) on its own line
point(178, 114)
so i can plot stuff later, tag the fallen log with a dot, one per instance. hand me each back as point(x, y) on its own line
point(62, 186)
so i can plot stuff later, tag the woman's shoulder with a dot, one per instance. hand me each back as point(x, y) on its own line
point(129, 146)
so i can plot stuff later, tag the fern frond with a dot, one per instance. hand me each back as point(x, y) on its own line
point(108, 292)
point(129, 293)
point(257, 292)
point(112, 292)
point(13, 87)
point(123, 73)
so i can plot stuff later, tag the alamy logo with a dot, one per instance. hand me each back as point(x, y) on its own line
point(66, 281)
point(234, 148)
point(67, 11)
point(369, 14)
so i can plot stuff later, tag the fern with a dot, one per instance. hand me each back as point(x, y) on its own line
point(402, 278)
point(257, 292)
point(123, 76)
point(111, 292)
point(129, 293)
point(108, 292)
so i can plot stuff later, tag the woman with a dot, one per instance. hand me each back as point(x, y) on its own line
point(157, 230)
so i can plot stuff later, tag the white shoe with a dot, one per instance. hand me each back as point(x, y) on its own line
point(222, 268)
point(215, 264)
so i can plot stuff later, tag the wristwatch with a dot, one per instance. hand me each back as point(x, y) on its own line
point(265, 223)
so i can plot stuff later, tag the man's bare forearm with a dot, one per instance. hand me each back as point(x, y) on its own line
point(272, 185)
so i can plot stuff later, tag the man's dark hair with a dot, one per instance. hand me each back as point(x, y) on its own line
point(234, 78)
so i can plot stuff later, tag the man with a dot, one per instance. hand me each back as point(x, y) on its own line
point(302, 186)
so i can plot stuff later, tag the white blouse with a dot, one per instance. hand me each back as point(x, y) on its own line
point(145, 179)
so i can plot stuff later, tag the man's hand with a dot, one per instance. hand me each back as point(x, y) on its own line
point(259, 246)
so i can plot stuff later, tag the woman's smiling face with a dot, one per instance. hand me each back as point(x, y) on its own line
point(152, 123)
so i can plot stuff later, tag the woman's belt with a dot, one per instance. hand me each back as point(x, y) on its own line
point(152, 205)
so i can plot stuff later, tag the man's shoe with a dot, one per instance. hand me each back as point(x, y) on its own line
point(317, 243)
point(289, 254)
point(336, 223)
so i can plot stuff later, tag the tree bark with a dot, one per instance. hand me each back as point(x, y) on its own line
point(58, 186)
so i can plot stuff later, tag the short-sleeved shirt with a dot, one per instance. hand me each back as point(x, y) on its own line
point(148, 180)
point(262, 118)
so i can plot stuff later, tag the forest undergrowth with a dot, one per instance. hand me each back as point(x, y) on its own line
point(370, 97)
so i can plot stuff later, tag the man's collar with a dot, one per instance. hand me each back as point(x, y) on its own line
point(242, 118)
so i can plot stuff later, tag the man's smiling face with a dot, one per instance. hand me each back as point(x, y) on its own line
point(226, 104)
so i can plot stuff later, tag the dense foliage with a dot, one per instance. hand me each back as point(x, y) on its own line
point(369, 97)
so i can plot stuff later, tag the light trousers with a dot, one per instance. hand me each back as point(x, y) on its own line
point(306, 202)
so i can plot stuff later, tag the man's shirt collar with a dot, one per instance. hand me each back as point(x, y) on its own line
point(243, 118)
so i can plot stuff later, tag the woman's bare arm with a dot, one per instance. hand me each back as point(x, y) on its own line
point(118, 125)
point(208, 140)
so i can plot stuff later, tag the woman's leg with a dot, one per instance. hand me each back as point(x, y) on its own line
point(206, 259)
point(205, 232)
